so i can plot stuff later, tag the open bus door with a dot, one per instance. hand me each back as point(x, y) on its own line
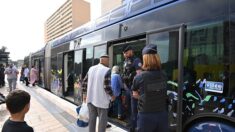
point(79, 74)
point(170, 46)
point(117, 58)
point(38, 63)
point(68, 75)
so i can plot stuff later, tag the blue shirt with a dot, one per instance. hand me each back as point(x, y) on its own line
point(116, 83)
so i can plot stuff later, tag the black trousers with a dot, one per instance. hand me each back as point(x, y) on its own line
point(26, 81)
point(2, 81)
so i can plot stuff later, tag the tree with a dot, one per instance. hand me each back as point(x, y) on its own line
point(3, 49)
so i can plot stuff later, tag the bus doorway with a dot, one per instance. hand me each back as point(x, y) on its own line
point(170, 42)
point(38, 63)
point(117, 59)
point(68, 75)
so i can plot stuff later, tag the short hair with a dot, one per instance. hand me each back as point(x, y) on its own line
point(115, 69)
point(17, 100)
point(151, 62)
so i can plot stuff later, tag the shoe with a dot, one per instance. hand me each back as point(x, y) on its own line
point(108, 126)
point(132, 130)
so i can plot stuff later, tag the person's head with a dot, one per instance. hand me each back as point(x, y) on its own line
point(104, 59)
point(127, 51)
point(18, 101)
point(11, 65)
point(32, 66)
point(116, 69)
point(151, 60)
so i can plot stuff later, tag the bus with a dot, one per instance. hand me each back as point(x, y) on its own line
point(195, 41)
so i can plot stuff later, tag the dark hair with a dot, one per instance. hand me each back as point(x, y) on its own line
point(17, 100)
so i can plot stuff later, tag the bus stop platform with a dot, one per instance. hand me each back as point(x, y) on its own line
point(48, 112)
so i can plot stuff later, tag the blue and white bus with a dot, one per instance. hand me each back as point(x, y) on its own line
point(196, 43)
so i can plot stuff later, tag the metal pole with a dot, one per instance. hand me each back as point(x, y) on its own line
point(180, 77)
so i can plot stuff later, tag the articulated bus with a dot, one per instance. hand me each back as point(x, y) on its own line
point(196, 43)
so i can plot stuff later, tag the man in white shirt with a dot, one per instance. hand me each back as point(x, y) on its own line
point(98, 94)
point(12, 74)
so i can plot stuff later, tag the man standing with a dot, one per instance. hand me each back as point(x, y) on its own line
point(98, 94)
point(132, 66)
point(12, 74)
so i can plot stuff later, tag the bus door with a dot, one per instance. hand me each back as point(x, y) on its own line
point(38, 66)
point(117, 58)
point(79, 57)
point(170, 44)
point(68, 75)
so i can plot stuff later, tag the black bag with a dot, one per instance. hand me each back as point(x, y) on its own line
point(21, 78)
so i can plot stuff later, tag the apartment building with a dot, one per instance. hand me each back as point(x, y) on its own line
point(101, 7)
point(72, 14)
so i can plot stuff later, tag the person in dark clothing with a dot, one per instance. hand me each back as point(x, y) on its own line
point(149, 87)
point(2, 75)
point(18, 104)
point(22, 74)
point(132, 67)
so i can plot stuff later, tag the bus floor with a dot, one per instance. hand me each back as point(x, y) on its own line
point(48, 112)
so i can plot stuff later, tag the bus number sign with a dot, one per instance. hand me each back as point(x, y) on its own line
point(216, 87)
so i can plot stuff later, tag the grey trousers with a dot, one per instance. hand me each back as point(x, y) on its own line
point(12, 84)
point(103, 118)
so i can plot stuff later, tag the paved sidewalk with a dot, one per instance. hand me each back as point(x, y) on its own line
point(48, 112)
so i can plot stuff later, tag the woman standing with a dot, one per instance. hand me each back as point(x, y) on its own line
point(33, 75)
point(149, 88)
point(117, 85)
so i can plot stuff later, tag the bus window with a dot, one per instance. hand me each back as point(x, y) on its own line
point(98, 51)
point(208, 70)
point(88, 60)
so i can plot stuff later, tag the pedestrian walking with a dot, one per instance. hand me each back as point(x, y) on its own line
point(12, 74)
point(33, 75)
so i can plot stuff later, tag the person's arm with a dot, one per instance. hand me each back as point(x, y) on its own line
point(136, 86)
point(138, 66)
point(107, 84)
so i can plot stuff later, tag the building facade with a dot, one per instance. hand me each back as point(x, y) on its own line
point(72, 14)
point(101, 7)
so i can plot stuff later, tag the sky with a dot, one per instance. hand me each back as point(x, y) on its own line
point(22, 25)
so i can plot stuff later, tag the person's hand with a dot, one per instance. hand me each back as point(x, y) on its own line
point(135, 94)
point(113, 98)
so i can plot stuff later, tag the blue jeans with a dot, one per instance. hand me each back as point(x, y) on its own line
point(117, 108)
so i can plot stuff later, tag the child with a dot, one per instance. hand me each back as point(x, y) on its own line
point(18, 103)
